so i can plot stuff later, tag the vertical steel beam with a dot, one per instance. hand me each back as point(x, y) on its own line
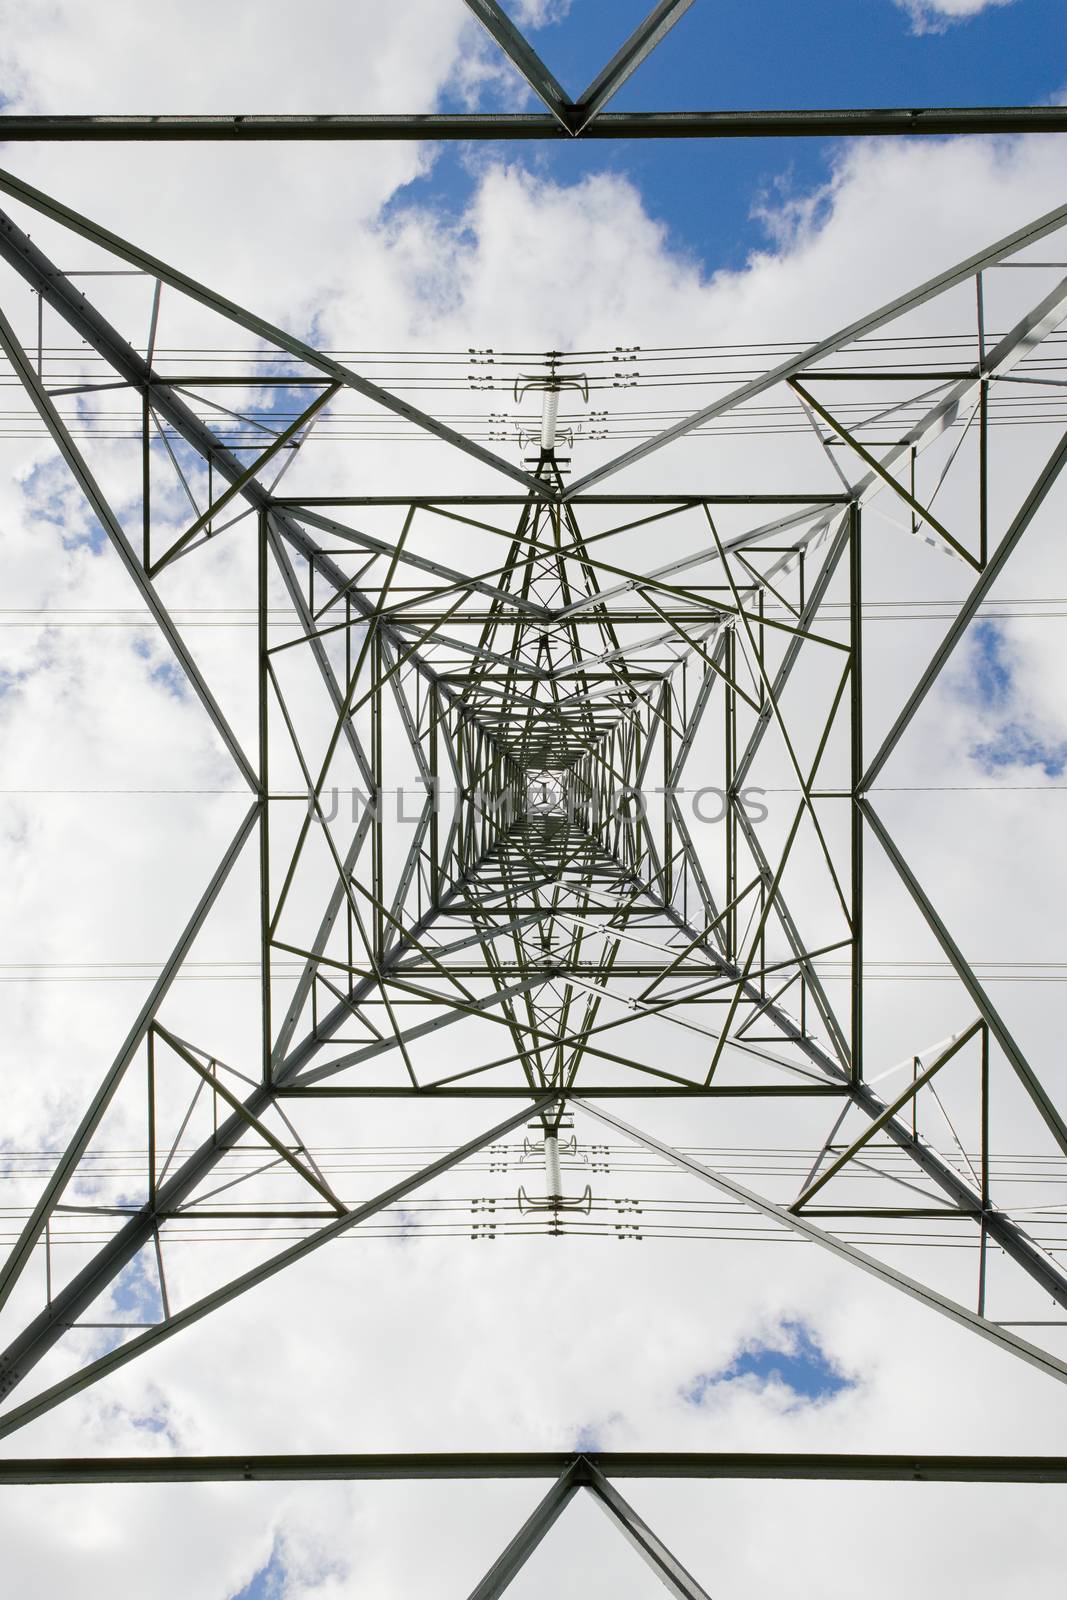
point(855, 579)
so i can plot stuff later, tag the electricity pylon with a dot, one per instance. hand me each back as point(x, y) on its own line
point(511, 795)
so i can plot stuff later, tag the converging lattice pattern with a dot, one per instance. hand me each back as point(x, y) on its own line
point(561, 795)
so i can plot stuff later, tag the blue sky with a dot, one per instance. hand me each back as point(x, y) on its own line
point(792, 1357)
point(738, 54)
point(1016, 742)
point(266, 1584)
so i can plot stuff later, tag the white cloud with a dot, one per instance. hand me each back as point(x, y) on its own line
point(934, 16)
point(540, 13)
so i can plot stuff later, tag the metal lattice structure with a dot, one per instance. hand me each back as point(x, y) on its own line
point(490, 726)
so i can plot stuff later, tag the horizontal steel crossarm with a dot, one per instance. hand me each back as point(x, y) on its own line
point(56, 288)
point(479, 1466)
point(1015, 346)
point(624, 969)
point(23, 1353)
point(68, 1161)
point(796, 365)
point(679, 501)
point(107, 519)
point(447, 1089)
point(198, 1309)
point(476, 1466)
point(802, 1225)
point(12, 248)
point(536, 553)
point(855, 122)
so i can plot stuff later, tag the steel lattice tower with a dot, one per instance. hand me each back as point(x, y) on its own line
point(543, 702)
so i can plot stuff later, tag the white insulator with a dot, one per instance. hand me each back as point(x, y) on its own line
point(549, 414)
point(553, 1179)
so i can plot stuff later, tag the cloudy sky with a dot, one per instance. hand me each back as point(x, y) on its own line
point(119, 800)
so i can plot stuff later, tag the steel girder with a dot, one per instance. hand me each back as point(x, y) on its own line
point(564, 117)
point(923, 121)
point(910, 121)
point(474, 1466)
